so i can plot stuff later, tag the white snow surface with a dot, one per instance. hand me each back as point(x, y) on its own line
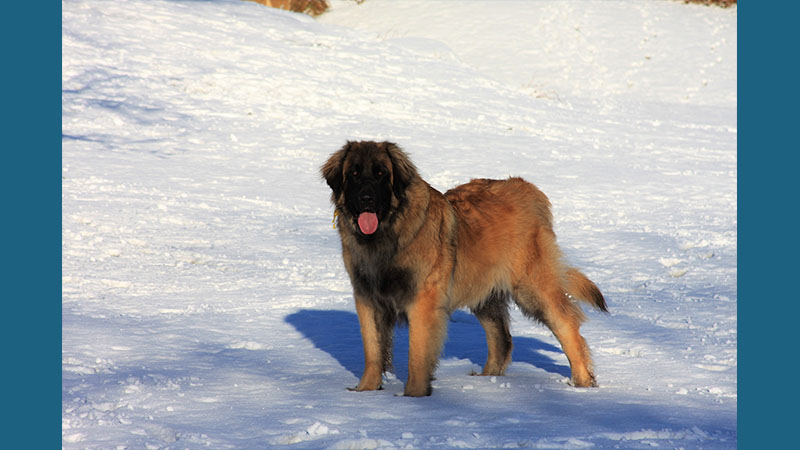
point(204, 300)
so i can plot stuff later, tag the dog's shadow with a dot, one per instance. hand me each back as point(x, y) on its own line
point(337, 333)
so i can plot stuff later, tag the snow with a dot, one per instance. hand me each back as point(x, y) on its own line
point(204, 301)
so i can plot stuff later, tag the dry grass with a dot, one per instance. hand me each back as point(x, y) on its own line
point(310, 7)
point(720, 3)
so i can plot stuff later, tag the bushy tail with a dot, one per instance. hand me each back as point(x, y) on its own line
point(582, 288)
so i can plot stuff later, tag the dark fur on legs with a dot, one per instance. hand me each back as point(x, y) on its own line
point(493, 316)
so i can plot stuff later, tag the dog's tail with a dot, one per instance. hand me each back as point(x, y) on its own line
point(584, 289)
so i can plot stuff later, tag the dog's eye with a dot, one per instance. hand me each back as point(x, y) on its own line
point(379, 172)
point(354, 172)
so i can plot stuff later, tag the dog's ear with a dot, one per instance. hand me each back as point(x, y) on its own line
point(333, 169)
point(403, 170)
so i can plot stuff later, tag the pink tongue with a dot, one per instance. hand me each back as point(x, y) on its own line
point(368, 222)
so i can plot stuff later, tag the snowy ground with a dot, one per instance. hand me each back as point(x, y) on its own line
point(204, 300)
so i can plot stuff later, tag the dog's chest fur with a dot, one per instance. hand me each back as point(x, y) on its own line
point(389, 284)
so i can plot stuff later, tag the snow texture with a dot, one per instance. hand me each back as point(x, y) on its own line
point(205, 303)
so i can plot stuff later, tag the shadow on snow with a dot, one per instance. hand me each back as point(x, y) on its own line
point(337, 333)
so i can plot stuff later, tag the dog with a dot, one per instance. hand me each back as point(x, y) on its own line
point(414, 255)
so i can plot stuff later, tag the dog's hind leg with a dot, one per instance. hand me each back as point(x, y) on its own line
point(542, 297)
point(493, 316)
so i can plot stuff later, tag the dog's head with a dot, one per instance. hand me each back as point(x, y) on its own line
point(369, 182)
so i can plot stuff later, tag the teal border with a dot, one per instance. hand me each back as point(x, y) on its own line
point(31, 210)
point(768, 198)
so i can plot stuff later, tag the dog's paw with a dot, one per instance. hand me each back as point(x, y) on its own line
point(589, 381)
point(489, 373)
point(357, 389)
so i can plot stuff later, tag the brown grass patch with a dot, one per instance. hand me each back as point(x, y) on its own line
point(720, 3)
point(310, 7)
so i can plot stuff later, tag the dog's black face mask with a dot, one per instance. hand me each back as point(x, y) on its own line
point(367, 192)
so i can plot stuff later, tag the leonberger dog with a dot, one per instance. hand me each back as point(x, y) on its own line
point(415, 255)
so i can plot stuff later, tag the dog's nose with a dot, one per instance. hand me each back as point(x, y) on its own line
point(367, 201)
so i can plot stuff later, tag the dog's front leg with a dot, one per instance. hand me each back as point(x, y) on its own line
point(370, 336)
point(427, 325)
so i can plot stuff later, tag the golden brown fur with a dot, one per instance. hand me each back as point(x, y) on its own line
point(474, 247)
